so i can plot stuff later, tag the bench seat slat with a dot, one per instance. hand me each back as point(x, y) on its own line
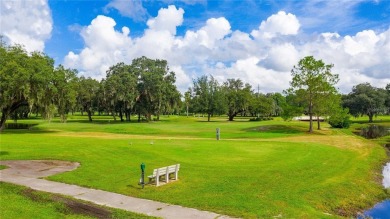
point(173, 169)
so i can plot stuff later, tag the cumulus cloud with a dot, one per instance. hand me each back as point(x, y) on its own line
point(281, 57)
point(280, 23)
point(357, 59)
point(26, 22)
point(263, 57)
point(167, 20)
point(104, 46)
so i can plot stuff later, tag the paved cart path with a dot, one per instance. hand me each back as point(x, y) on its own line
point(28, 173)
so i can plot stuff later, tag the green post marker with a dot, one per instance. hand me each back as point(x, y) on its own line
point(142, 174)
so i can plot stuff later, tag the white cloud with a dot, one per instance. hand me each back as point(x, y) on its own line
point(26, 22)
point(262, 58)
point(282, 57)
point(357, 59)
point(280, 23)
point(363, 42)
point(167, 20)
point(128, 8)
point(182, 79)
point(104, 46)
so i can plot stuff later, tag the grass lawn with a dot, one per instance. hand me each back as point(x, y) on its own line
point(21, 202)
point(257, 169)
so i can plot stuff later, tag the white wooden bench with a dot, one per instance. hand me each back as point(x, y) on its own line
point(165, 172)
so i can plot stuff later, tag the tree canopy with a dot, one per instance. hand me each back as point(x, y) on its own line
point(312, 84)
point(29, 80)
point(237, 97)
point(25, 80)
point(366, 100)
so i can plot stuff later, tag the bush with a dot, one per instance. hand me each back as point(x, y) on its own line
point(260, 119)
point(340, 119)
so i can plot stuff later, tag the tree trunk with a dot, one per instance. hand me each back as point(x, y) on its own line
point(120, 115)
point(3, 120)
point(311, 117)
point(8, 111)
point(127, 114)
point(318, 123)
point(90, 115)
point(187, 111)
point(113, 114)
point(208, 117)
point(139, 117)
point(370, 116)
point(311, 123)
point(231, 117)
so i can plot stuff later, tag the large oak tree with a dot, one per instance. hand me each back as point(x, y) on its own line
point(366, 100)
point(25, 80)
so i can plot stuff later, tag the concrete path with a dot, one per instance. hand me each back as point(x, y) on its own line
point(27, 173)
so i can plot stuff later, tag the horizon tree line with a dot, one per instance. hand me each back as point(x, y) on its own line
point(29, 83)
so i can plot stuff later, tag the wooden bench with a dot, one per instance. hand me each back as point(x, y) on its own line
point(165, 172)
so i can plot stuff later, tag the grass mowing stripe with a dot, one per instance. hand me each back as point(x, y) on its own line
point(269, 169)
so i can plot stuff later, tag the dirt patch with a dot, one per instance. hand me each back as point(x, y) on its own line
point(70, 206)
point(37, 168)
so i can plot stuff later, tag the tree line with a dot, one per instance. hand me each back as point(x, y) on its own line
point(29, 83)
point(145, 89)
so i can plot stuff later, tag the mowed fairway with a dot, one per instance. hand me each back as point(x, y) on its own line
point(257, 169)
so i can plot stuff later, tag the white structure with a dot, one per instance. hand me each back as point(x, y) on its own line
point(165, 172)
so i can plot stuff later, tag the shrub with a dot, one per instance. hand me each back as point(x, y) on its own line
point(260, 119)
point(340, 119)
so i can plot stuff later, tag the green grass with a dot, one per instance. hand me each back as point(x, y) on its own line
point(21, 202)
point(258, 169)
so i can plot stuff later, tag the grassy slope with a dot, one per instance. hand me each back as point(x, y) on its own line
point(258, 169)
point(20, 202)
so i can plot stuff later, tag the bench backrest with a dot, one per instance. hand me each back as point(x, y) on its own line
point(163, 170)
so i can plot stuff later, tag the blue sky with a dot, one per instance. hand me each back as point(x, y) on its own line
point(258, 41)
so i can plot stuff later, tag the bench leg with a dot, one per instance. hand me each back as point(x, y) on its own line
point(176, 172)
point(176, 175)
point(157, 178)
point(167, 175)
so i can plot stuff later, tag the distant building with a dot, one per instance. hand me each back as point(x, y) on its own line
point(307, 118)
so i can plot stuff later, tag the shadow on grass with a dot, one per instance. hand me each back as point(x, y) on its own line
point(16, 125)
point(209, 121)
point(108, 122)
point(27, 131)
point(2, 153)
point(387, 120)
point(280, 129)
point(138, 187)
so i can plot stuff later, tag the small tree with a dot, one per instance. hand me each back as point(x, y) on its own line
point(65, 81)
point(340, 118)
point(312, 82)
point(237, 97)
point(208, 96)
point(87, 89)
